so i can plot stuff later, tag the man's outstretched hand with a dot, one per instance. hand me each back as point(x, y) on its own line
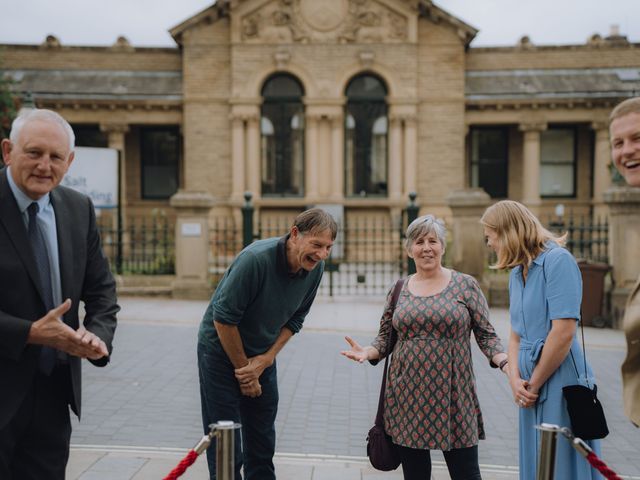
point(50, 330)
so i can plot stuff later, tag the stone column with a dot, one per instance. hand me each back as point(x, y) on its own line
point(238, 158)
point(116, 137)
point(531, 164)
point(324, 163)
point(116, 133)
point(410, 155)
point(469, 249)
point(311, 158)
point(253, 172)
point(192, 244)
point(337, 158)
point(395, 158)
point(624, 238)
point(601, 174)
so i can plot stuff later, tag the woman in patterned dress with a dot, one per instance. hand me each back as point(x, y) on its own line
point(430, 399)
point(545, 292)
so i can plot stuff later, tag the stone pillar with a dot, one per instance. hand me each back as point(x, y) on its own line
point(337, 158)
point(624, 238)
point(192, 244)
point(323, 159)
point(410, 155)
point(395, 158)
point(601, 174)
point(116, 133)
point(469, 248)
point(311, 159)
point(238, 158)
point(253, 172)
point(531, 164)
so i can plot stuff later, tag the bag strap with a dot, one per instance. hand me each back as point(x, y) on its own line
point(584, 354)
point(584, 349)
point(393, 336)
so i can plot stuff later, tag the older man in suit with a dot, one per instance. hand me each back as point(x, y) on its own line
point(50, 259)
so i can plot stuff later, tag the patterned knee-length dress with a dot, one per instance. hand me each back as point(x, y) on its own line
point(430, 399)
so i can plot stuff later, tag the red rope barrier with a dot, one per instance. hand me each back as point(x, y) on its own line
point(602, 467)
point(185, 463)
point(583, 449)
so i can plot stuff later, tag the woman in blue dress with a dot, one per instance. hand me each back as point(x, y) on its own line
point(545, 292)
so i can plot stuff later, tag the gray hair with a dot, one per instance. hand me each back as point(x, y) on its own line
point(316, 220)
point(32, 114)
point(424, 225)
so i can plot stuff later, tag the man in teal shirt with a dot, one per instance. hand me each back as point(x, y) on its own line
point(261, 301)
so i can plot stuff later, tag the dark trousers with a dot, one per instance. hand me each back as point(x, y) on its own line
point(34, 445)
point(461, 462)
point(221, 400)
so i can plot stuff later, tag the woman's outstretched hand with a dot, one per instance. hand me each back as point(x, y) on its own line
point(356, 353)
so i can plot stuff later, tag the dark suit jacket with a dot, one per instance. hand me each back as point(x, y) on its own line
point(84, 275)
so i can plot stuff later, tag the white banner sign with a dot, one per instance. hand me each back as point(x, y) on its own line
point(94, 172)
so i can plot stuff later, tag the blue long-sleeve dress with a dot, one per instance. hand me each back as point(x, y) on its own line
point(553, 290)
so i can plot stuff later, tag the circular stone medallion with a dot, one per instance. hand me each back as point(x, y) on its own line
point(324, 15)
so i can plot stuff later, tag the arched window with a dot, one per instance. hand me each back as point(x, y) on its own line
point(366, 128)
point(282, 136)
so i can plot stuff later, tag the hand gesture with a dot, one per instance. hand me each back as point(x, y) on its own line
point(356, 353)
point(522, 395)
point(251, 389)
point(50, 330)
point(251, 371)
point(95, 347)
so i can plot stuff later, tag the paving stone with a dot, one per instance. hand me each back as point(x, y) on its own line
point(114, 468)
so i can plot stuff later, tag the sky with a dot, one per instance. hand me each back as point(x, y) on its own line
point(145, 23)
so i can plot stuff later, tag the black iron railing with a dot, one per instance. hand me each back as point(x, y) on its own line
point(367, 257)
point(143, 245)
point(587, 236)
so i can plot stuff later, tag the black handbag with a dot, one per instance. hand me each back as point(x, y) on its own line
point(380, 449)
point(585, 410)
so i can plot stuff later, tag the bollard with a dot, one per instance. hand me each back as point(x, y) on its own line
point(547, 460)
point(225, 452)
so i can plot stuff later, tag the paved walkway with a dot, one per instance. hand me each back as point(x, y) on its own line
point(101, 463)
point(141, 414)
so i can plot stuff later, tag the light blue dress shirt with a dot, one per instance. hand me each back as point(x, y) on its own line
point(47, 223)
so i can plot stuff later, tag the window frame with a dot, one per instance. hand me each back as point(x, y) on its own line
point(284, 102)
point(350, 160)
point(83, 130)
point(505, 130)
point(573, 163)
point(143, 130)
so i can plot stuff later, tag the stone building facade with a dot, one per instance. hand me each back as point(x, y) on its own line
point(348, 102)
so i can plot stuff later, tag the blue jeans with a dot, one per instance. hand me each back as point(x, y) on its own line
point(221, 400)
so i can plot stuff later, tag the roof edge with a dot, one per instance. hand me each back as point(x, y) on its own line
point(209, 14)
point(436, 14)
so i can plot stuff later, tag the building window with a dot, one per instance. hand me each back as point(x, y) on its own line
point(488, 155)
point(282, 136)
point(160, 155)
point(558, 162)
point(366, 137)
point(90, 136)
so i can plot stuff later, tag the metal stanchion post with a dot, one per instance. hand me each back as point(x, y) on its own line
point(547, 460)
point(225, 452)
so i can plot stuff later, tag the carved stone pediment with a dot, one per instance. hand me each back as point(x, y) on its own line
point(326, 21)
